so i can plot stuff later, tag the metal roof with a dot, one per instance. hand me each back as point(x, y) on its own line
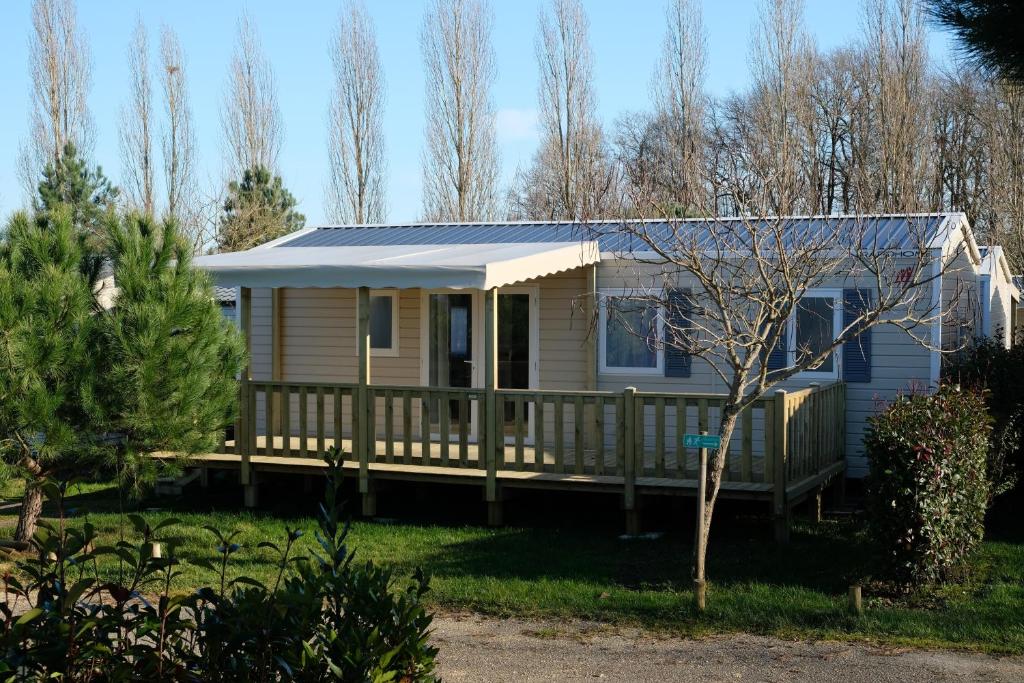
point(904, 231)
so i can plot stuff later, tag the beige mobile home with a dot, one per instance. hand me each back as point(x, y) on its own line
point(484, 354)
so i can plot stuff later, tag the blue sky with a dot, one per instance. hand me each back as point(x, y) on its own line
point(626, 38)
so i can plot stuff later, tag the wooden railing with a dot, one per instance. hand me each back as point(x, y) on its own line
point(629, 436)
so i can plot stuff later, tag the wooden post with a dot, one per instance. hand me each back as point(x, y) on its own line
point(629, 461)
point(780, 499)
point(590, 310)
point(245, 429)
point(590, 314)
point(854, 600)
point(699, 584)
point(361, 442)
point(276, 354)
point(492, 492)
point(817, 505)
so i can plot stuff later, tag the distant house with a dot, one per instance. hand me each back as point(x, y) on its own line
point(427, 291)
point(1000, 296)
point(226, 298)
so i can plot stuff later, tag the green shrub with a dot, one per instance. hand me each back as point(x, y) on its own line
point(326, 617)
point(990, 367)
point(927, 487)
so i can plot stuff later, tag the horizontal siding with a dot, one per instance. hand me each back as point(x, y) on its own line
point(899, 364)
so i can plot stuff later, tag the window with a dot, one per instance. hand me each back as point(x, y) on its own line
point(383, 323)
point(629, 331)
point(813, 328)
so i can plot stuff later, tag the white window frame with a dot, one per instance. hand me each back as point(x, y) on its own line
point(837, 324)
point(659, 350)
point(392, 351)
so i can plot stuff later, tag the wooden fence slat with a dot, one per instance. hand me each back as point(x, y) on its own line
point(321, 436)
point(747, 457)
point(407, 427)
point(680, 450)
point(519, 429)
point(286, 420)
point(559, 435)
point(538, 435)
point(599, 406)
point(463, 430)
point(620, 436)
point(445, 423)
point(389, 425)
point(768, 439)
point(268, 402)
point(577, 428)
point(659, 437)
point(336, 409)
point(425, 428)
point(303, 421)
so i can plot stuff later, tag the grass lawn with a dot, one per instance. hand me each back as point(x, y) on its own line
point(585, 571)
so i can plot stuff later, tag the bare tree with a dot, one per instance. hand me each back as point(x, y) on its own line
point(889, 140)
point(460, 163)
point(184, 203)
point(681, 100)
point(571, 176)
point(1002, 206)
point(727, 292)
point(250, 116)
point(355, 141)
point(136, 134)
point(60, 71)
point(782, 64)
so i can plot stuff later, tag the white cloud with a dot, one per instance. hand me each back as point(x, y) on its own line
point(516, 124)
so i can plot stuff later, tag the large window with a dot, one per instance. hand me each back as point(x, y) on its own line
point(629, 331)
point(813, 328)
point(384, 322)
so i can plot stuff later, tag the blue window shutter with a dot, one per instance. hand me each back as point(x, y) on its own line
point(857, 351)
point(678, 362)
point(778, 358)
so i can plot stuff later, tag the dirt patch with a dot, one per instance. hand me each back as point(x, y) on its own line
point(475, 648)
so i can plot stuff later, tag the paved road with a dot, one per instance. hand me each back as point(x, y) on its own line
point(483, 649)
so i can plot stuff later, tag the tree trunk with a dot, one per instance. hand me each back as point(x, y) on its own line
point(31, 508)
point(700, 549)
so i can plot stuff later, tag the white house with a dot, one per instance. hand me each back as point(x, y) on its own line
point(428, 292)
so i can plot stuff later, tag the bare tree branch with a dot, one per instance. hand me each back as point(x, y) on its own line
point(136, 134)
point(460, 163)
point(355, 142)
point(60, 70)
point(250, 117)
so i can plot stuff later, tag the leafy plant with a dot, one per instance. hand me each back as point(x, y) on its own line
point(324, 617)
point(990, 367)
point(927, 487)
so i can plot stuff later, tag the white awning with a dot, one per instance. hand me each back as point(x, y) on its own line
point(455, 266)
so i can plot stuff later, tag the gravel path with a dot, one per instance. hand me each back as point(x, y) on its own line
point(483, 649)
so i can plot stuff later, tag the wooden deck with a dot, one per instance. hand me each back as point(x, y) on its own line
point(785, 448)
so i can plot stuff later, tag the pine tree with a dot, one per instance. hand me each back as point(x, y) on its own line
point(257, 210)
point(168, 358)
point(71, 183)
point(46, 369)
point(989, 32)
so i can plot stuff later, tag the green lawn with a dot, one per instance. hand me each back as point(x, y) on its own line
point(755, 586)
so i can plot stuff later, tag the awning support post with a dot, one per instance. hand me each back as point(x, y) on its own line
point(245, 426)
point(492, 493)
point(361, 443)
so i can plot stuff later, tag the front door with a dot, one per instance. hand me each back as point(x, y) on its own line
point(517, 350)
point(450, 336)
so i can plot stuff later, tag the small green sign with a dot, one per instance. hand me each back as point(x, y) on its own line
point(702, 441)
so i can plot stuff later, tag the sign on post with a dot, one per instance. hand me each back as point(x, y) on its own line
point(702, 441)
